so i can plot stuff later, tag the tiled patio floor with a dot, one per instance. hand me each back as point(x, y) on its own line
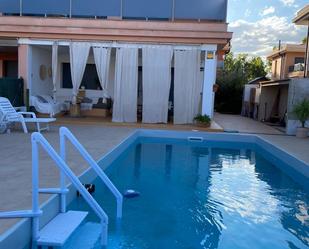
point(243, 124)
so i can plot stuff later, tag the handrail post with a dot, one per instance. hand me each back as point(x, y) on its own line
point(119, 207)
point(65, 133)
point(62, 176)
point(38, 138)
point(35, 188)
point(104, 233)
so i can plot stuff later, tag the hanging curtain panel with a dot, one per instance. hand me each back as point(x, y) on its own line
point(125, 89)
point(54, 68)
point(187, 85)
point(156, 83)
point(102, 61)
point(79, 52)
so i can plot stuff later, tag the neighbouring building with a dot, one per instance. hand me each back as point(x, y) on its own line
point(288, 61)
point(273, 100)
point(149, 58)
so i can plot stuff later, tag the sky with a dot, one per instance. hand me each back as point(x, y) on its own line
point(258, 25)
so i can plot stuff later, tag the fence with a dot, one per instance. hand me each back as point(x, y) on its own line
point(136, 9)
point(12, 89)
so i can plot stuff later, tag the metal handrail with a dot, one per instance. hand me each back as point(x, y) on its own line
point(66, 133)
point(68, 12)
point(38, 139)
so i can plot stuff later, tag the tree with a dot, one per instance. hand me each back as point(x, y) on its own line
point(238, 70)
point(304, 41)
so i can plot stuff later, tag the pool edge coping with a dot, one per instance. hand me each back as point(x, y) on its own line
point(111, 155)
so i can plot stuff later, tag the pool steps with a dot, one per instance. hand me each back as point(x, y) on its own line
point(57, 232)
point(60, 228)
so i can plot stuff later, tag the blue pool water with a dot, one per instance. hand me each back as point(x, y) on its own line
point(198, 195)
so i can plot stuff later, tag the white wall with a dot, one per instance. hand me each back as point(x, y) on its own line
point(210, 74)
point(298, 90)
point(37, 57)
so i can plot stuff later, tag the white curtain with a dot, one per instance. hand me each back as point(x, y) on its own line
point(156, 83)
point(187, 85)
point(54, 68)
point(79, 52)
point(102, 61)
point(125, 89)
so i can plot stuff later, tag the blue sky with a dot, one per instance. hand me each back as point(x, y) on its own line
point(259, 24)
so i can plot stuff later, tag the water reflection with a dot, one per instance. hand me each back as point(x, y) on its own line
point(137, 161)
point(294, 215)
point(204, 196)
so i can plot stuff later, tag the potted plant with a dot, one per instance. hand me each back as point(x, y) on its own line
point(202, 120)
point(301, 111)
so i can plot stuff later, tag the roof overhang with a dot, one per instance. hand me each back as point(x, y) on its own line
point(302, 17)
point(274, 82)
point(288, 48)
point(188, 32)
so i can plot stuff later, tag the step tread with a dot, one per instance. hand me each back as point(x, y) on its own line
point(59, 229)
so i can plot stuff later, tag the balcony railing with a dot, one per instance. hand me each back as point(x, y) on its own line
point(136, 9)
point(299, 67)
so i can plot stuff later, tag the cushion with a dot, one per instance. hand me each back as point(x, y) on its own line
point(41, 99)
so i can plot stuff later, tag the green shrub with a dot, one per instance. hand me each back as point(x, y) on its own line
point(203, 119)
point(237, 71)
point(301, 110)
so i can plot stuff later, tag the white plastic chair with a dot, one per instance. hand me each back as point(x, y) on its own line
point(3, 123)
point(49, 106)
point(10, 115)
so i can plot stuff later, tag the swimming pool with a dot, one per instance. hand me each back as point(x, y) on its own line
point(200, 195)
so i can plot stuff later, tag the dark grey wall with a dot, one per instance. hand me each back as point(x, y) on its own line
point(10, 6)
point(148, 8)
point(96, 7)
point(183, 9)
point(201, 9)
point(50, 7)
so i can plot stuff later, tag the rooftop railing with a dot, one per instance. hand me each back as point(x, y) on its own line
point(215, 10)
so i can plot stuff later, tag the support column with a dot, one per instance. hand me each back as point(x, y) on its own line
point(210, 74)
point(306, 75)
point(23, 67)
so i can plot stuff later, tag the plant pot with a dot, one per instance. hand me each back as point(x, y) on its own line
point(202, 124)
point(302, 132)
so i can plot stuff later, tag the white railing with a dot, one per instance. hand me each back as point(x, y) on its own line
point(66, 134)
point(37, 140)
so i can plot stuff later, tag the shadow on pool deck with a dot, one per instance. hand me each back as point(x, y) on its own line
point(244, 125)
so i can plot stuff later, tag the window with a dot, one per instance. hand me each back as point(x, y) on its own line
point(90, 79)
point(299, 60)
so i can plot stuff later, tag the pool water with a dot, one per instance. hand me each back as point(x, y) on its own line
point(198, 195)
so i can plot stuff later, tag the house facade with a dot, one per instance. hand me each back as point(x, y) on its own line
point(288, 61)
point(272, 100)
point(150, 58)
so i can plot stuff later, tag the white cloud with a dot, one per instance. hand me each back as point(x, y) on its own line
point(268, 10)
point(258, 38)
point(288, 2)
point(248, 13)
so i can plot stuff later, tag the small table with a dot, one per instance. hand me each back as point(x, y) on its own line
point(75, 110)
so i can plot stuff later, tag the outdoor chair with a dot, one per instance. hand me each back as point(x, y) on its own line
point(10, 115)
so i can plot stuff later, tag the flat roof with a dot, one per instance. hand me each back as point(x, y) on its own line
point(302, 17)
point(275, 82)
point(288, 48)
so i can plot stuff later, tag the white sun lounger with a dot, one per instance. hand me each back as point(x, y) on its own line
point(11, 115)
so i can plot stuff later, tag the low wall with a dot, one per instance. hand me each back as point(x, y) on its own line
point(298, 90)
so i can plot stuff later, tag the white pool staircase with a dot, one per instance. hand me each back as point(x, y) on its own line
point(61, 227)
